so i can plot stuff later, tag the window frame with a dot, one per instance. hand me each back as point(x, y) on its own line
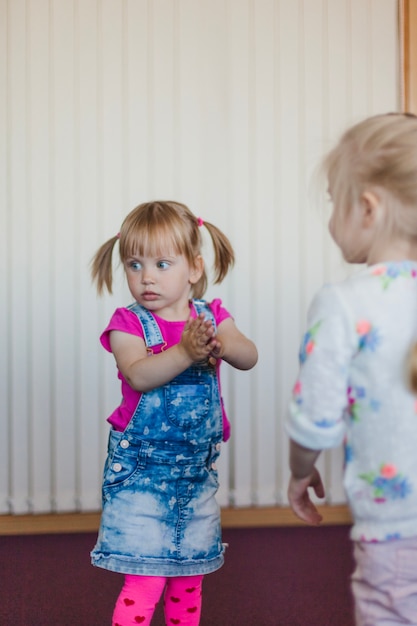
point(408, 26)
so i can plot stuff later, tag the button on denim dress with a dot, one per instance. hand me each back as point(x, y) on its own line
point(160, 516)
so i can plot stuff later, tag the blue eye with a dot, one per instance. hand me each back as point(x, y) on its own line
point(135, 266)
point(163, 265)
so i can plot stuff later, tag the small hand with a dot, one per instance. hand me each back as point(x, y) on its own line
point(299, 498)
point(216, 348)
point(196, 338)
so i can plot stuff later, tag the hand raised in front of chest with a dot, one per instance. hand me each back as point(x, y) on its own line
point(196, 338)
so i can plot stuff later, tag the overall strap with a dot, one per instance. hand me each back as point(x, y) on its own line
point(202, 306)
point(151, 331)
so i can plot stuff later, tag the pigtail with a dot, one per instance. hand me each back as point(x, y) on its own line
point(102, 266)
point(412, 368)
point(224, 256)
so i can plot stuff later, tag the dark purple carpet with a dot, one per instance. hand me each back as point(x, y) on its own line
point(272, 577)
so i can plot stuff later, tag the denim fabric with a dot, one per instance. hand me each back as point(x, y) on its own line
point(160, 516)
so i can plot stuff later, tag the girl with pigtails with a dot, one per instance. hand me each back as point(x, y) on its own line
point(160, 523)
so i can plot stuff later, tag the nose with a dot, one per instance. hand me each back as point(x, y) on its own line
point(147, 277)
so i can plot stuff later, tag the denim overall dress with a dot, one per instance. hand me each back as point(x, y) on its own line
point(160, 516)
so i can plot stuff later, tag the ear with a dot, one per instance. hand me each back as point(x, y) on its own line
point(197, 270)
point(371, 208)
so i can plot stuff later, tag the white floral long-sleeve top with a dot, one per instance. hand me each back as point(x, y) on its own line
point(352, 387)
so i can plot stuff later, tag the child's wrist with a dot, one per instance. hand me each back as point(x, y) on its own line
point(184, 354)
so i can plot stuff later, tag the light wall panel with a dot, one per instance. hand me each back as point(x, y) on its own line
point(226, 105)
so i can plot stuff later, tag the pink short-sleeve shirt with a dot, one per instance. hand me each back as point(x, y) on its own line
point(126, 321)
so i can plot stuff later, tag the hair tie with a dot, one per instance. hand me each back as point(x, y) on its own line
point(118, 235)
point(200, 221)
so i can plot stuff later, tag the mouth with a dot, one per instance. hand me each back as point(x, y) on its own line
point(149, 295)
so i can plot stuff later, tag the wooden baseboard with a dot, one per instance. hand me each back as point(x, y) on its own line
point(280, 516)
point(250, 517)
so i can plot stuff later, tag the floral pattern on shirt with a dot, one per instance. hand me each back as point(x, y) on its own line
point(366, 322)
point(298, 399)
point(355, 394)
point(387, 484)
point(368, 336)
point(325, 423)
point(390, 271)
point(296, 392)
point(389, 537)
point(357, 400)
point(308, 343)
point(348, 450)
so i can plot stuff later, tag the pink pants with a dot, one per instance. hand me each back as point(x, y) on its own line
point(140, 595)
point(384, 583)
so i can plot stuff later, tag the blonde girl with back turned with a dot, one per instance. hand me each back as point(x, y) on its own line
point(355, 370)
point(160, 523)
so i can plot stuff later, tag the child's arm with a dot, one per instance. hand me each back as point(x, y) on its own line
point(304, 475)
point(233, 347)
point(144, 373)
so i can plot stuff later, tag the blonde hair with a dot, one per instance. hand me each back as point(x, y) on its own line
point(148, 228)
point(379, 153)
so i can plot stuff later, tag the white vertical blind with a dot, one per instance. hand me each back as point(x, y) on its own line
point(226, 105)
point(4, 282)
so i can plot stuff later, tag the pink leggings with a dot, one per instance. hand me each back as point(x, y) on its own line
point(140, 595)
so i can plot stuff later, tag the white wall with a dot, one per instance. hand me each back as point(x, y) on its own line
point(225, 105)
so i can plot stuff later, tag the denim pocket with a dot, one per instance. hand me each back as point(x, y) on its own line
point(187, 405)
point(122, 461)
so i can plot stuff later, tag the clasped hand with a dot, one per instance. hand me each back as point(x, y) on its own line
point(199, 339)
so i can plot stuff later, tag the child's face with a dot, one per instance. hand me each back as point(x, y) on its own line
point(162, 283)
